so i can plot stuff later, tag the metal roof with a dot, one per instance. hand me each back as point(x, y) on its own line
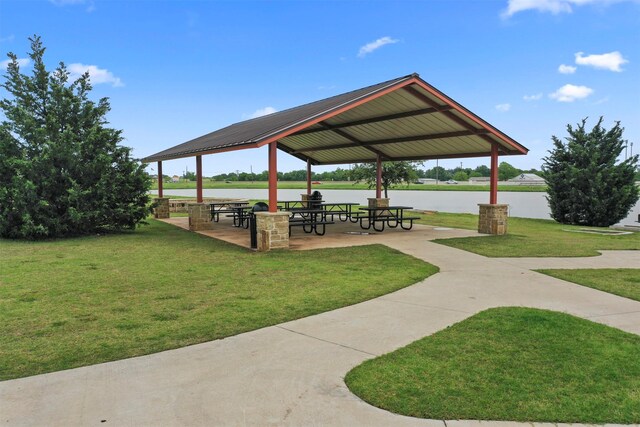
point(400, 119)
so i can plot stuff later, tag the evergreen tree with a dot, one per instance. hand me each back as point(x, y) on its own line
point(393, 173)
point(62, 171)
point(585, 185)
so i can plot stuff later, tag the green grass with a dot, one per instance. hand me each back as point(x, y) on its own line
point(531, 238)
point(624, 282)
point(514, 364)
point(75, 302)
point(345, 185)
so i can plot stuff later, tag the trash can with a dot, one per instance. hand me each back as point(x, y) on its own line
point(314, 200)
point(253, 229)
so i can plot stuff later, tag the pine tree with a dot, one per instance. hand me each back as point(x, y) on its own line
point(62, 171)
point(586, 185)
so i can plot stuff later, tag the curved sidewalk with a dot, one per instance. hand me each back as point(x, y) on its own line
point(292, 374)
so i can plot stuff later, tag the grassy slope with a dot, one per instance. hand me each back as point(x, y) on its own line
point(530, 238)
point(624, 282)
point(75, 302)
point(513, 364)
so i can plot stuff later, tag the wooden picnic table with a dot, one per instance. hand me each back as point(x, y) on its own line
point(392, 216)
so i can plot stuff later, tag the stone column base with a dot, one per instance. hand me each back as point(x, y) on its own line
point(378, 203)
point(199, 217)
point(493, 219)
point(273, 230)
point(305, 198)
point(162, 207)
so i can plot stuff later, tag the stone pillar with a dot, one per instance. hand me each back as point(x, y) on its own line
point(273, 230)
point(305, 198)
point(199, 217)
point(493, 219)
point(162, 207)
point(378, 202)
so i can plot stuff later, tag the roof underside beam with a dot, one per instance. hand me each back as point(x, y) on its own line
point(450, 115)
point(456, 134)
point(416, 158)
point(378, 119)
point(355, 141)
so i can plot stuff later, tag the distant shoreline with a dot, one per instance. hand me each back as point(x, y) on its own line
point(344, 185)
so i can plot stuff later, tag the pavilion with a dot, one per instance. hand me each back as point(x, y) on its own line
point(401, 119)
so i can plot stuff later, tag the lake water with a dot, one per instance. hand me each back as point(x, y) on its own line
point(526, 205)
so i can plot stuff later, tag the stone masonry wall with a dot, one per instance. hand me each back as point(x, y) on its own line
point(199, 217)
point(273, 230)
point(162, 207)
point(493, 219)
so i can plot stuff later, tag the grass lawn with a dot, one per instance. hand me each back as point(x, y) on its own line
point(75, 302)
point(624, 282)
point(345, 185)
point(530, 238)
point(514, 364)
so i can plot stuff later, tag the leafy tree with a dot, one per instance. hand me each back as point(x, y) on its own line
point(189, 176)
point(461, 176)
point(62, 171)
point(506, 171)
point(585, 185)
point(439, 173)
point(393, 173)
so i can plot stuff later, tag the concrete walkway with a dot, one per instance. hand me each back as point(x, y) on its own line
point(292, 374)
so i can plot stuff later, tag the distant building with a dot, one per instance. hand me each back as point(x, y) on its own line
point(426, 181)
point(528, 179)
point(175, 178)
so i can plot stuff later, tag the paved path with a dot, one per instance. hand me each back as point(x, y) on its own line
point(292, 374)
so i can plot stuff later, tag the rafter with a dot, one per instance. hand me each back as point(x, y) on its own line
point(378, 119)
point(444, 135)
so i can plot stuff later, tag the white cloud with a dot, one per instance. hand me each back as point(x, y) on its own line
point(261, 112)
point(96, 75)
point(553, 6)
point(569, 93)
point(9, 38)
point(22, 62)
point(607, 61)
point(370, 47)
point(503, 107)
point(535, 97)
point(66, 2)
point(567, 69)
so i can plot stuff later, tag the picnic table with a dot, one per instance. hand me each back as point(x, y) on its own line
point(311, 220)
point(240, 215)
point(223, 207)
point(288, 205)
point(343, 210)
point(392, 216)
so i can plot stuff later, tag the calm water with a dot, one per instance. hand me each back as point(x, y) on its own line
point(526, 205)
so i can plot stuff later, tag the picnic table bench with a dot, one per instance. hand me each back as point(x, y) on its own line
point(392, 216)
point(311, 220)
point(223, 207)
point(240, 215)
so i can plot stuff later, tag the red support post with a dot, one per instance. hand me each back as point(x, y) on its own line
point(273, 177)
point(378, 177)
point(493, 188)
point(160, 179)
point(199, 179)
point(308, 176)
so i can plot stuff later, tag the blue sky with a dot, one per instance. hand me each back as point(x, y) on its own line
point(175, 70)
